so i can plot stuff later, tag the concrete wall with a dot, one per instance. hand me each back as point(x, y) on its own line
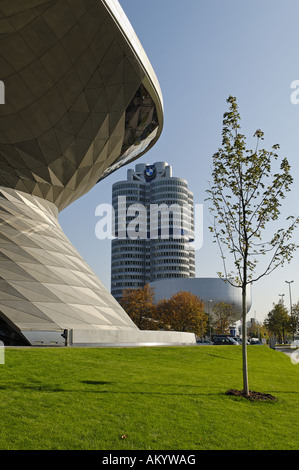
point(122, 338)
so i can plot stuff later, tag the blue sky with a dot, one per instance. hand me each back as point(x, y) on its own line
point(202, 52)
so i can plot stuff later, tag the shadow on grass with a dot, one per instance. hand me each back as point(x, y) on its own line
point(50, 388)
point(96, 382)
point(115, 391)
point(234, 359)
point(120, 389)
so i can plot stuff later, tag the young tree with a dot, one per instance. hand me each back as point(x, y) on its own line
point(246, 195)
point(138, 304)
point(183, 312)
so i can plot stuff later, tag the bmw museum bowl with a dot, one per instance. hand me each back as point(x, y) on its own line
point(81, 100)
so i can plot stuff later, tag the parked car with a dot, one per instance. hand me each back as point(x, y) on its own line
point(255, 341)
point(225, 340)
point(236, 338)
point(205, 341)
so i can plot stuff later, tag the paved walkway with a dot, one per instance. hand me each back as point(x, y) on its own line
point(286, 350)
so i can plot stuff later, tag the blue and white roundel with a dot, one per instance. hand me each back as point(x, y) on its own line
point(150, 171)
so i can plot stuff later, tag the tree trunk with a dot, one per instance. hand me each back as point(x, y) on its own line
point(244, 341)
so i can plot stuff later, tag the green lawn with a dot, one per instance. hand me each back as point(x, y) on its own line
point(168, 398)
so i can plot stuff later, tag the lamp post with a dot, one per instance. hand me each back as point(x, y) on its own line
point(281, 295)
point(291, 309)
point(210, 318)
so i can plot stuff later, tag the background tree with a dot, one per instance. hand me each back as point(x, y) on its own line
point(278, 321)
point(295, 319)
point(224, 316)
point(139, 305)
point(246, 194)
point(183, 312)
point(257, 330)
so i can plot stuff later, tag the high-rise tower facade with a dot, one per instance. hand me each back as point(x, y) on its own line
point(154, 224)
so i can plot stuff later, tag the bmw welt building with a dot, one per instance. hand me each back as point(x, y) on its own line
point(81, 100)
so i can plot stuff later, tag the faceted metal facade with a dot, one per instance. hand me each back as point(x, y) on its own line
point(45, 284)
point(79, 103)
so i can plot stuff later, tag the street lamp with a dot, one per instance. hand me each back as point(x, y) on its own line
point(291, 309)
point(281, 295)
point(210, 318)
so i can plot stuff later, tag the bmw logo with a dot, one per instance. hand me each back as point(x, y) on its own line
point(150, 172)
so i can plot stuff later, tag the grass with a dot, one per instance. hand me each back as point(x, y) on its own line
point(170, 398)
